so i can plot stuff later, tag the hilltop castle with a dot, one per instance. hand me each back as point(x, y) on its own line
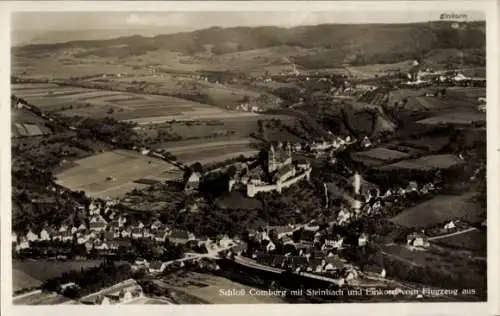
point(276, 172)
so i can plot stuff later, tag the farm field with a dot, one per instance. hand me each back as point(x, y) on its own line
point(427, 142)
point(31, 273)
point(441, 209)
point(473, 240)
point(444, 161)
point(462, 98)
point(459, 118)
point(381, 153)
point(124, 167)
point(25, 123)
point(440, 262)
point(206, 287)
point(21, 280)
point(143, 109)
point(41, 298)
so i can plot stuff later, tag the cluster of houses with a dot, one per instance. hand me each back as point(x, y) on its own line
point(322, 260)
point(104, 235)
point(121, 293)
point(372, 201)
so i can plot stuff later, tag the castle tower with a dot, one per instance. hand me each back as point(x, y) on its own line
point(271, 159)
point(289, 149)
point(356, 204)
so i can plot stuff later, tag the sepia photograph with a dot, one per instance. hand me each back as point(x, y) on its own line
point(248, 157)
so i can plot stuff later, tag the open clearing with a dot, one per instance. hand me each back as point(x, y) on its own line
point(30, 273)
point(445, 161)
point(206, 287)
point(459, 118)
point(124, 167)
point(472, 240)
point(441, 209)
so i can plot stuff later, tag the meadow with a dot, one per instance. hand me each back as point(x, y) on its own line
point(430, 162)
point(28, 274)
point(440, 210)
point(473, 240)
point(112, 173)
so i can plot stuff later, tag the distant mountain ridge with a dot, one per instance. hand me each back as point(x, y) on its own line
point(328, 43)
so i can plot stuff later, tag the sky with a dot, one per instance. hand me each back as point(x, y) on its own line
point(186, 21)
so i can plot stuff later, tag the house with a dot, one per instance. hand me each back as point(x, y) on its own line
point(332, 263)
point(82, 239)
point(450, 225)
point(362, 240)
point(334, 243)
point(157, 267)
point(120, 293)
point(192, 181)
point(14, 237)
point(157, 224)
point(113, 245)
point(416, 240)
point(286, 240)
point(63, 229)
point(140, 225)
point(226, 242)
point(180, 236)
point(67, 286)
point(30, 236)
point(101, 245)
point(350, 274)
point(73, 230)
point(82, 227)
point(141, 262)
point(122, 221)
point(412, 186)
point(98, 226)
point(107, 235)
point(270, 246)
point(23, 243)
point(44, 235)
point(137, 233)
point(161, 235)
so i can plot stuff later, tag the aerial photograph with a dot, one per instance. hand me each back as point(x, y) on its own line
point(246, 157)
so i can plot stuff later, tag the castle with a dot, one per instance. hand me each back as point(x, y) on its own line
point(277, 171)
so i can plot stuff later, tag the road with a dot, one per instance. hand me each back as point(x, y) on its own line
point(214, 254)
point(453, 234)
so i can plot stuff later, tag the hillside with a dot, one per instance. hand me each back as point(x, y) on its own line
point(310, 47)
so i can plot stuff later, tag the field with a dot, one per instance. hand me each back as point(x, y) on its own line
point(140, 108)
point(41, 298)
point(31, 273)
point(473, 240)
point(124, 167)
point(439, 263)
point(441, 209)
point(427, 143)
point(206, 287)
point(444, 161)
point(459, 118)
point(381, 153)
point(25, 123)
point(456, 98)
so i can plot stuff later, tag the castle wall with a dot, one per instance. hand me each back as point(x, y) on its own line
point(252, 190)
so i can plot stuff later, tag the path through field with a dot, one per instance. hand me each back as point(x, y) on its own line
point(453, 234)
